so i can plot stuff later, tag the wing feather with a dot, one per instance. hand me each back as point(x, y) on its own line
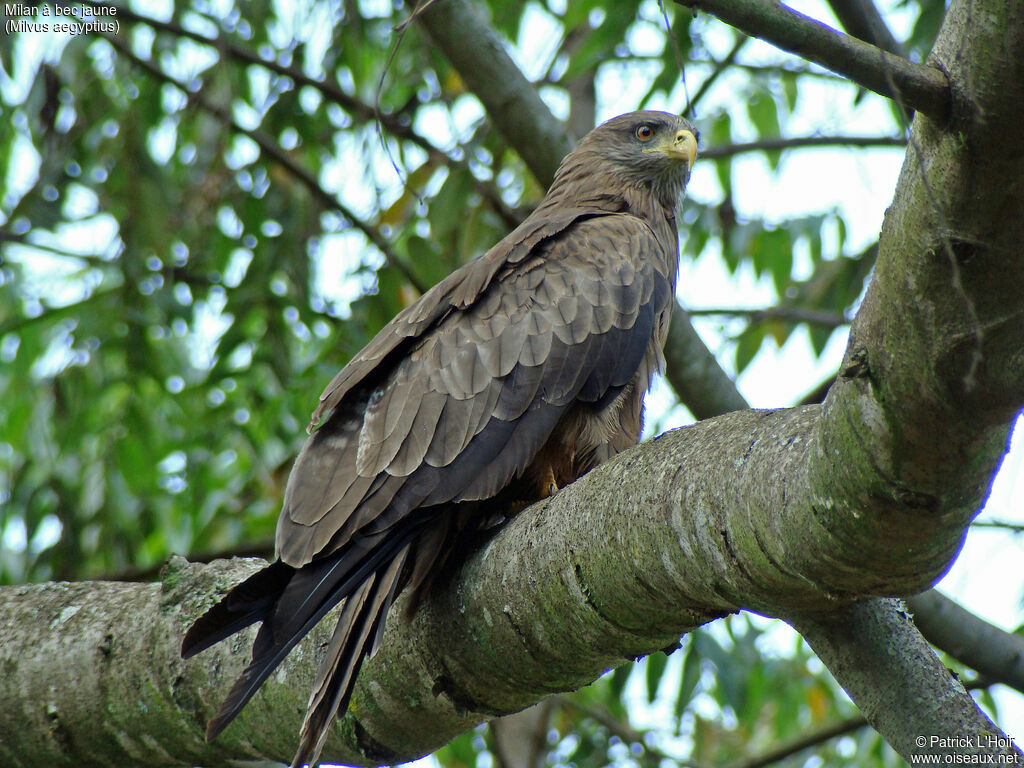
point(327, 466)
point(484, 386)
point(459, 291)
point(414, 445)
point(389, 419)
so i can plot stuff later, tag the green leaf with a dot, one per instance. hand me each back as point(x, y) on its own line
point(721, 135)
point(764, 113)
point(747, 346)
point(654, 669)
point(790, 88)
point(618, 680)
point(690, 678)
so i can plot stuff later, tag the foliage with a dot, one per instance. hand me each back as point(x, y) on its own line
point(195, 236)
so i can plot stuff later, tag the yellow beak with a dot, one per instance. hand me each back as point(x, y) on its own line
point(684, 147)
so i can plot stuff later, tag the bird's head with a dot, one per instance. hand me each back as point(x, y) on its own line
point(650, 150)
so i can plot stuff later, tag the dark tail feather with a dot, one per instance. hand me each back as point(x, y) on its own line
point(355, 638)
point(295, 604)
point(271, 646)
point(247, 603)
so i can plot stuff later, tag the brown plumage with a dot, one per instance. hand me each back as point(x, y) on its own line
point(518, 373)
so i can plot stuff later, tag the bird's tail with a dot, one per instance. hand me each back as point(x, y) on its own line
point(290, 602)
point(356, 637)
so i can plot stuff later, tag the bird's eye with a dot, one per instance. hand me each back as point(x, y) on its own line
point(644, 132)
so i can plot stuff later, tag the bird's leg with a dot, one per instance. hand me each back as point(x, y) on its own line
point(539, 484)
point(547, 485)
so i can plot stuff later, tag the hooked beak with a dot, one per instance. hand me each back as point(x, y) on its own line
point(683, 147)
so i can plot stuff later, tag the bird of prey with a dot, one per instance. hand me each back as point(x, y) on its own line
point(514, 376)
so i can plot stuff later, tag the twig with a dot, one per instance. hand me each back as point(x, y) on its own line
point(274, 151)
point(678, 55)
point(363, 112)
point(19, 323)
point(787, 67)
point(720, 67)
point(769, 145)
point(626, 733)
point(814, 738)
point(1000, 524)
point(916, 86)
point(795, 314)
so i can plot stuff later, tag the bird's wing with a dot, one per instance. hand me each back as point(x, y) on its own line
point(456, 292)
point(451, 415)
point(479, 389)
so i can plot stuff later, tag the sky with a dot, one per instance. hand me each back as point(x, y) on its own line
point(987, 577)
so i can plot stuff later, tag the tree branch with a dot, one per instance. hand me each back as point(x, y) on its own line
point(916, 86)
point(793, 314)
point(994, 653)
point(546, 605)
point(793, 512)
point(615, 725)
point(862, 20)
point(695, 373)
point(819, 735)
point(898, 682)
point(359, 110)
point(811, 738)
point(769, 145)
point(1002, 525)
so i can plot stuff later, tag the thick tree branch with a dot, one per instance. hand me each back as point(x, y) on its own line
point(916, 86)
point(898, 682)
point(566, 590)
